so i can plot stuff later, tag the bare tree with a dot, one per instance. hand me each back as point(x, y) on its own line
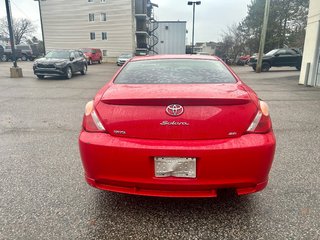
point(233, 42)
point(22, 28)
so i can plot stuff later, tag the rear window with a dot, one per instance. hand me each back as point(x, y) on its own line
point(174, 71)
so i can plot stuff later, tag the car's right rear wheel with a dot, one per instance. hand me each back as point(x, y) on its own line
point(84, 70)
point(265, 67)
point(254, 68)
point(69, 73)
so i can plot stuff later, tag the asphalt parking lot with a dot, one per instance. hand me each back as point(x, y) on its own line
point(43, 194)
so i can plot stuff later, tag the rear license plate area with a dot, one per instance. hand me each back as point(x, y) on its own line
point(179, 167)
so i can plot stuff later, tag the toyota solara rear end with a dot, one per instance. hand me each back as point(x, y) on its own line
point(176, 126)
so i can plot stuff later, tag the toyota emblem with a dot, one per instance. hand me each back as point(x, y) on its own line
point(174, 110)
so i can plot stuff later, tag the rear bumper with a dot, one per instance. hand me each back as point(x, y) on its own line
point(127, 165)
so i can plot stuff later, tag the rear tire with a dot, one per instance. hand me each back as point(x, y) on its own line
point(100, 61)
point(84, 70)
point(69, 73)
point(4, 58)
point(254, 68)
point(265, 67)
point(40, 76)
point(24, 58)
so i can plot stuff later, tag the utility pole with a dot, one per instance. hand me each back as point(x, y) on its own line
point(15, 71)
point(263, 36)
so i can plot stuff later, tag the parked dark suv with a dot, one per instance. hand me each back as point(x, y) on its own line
point(23, 51)
point(26, 52)
point(7, 54)
point(60, 63)
point(284, 57)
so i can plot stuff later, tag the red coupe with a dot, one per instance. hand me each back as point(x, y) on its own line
point(177, 126)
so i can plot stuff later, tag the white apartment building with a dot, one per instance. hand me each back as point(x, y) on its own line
point(114, 26)
point(310, 68)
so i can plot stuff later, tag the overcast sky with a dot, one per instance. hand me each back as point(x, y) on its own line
point(23, 9)
point(212, 16)
point(211, 19)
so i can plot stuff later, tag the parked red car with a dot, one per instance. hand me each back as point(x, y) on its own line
point(243, 60)
point(176, 126)
point(92, 55)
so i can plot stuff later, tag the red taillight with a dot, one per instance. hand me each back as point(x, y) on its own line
point(91, 122)
point(262, 122)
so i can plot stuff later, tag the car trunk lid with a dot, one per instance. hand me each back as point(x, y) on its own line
point(210, 111)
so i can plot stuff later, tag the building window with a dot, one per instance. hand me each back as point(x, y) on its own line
point(90, 1)
point(104, 53)
point(104, 35)
point(103, 1)
point(103, 17)
point(166, 27)
point(91, 17)
point(92, 35)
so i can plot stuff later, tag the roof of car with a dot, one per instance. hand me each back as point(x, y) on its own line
point(174, 56)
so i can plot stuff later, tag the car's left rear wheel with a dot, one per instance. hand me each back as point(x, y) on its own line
point(4, 58)
point(24, 58)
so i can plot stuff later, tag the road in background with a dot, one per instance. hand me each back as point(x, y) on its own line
point(43, 194)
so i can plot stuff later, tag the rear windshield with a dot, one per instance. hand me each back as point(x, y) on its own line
point(174, 71)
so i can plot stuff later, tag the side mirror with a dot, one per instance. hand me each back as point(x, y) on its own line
point(277, 55)
point(71, 58)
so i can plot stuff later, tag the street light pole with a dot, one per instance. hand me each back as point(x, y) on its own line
point(9, 19)
point(15, 71)
point(193, 3)
point(263, 36)
point(44, 46)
